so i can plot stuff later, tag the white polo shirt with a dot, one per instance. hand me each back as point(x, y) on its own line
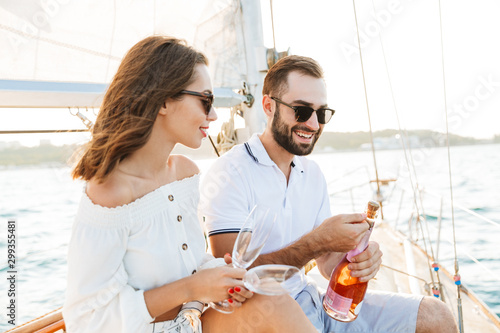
point(246, 176)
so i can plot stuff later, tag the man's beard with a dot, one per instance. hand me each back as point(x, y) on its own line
point(283, 135)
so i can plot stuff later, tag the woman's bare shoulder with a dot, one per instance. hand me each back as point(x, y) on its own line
point(115, 191)
point(184, 166)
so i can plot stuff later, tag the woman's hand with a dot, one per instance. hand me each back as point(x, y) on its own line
point(213, 284)
point(239, 294)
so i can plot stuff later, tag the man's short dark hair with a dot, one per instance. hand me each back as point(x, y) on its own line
point(276, 81)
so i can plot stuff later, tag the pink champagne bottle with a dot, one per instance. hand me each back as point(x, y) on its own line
point(344, 296)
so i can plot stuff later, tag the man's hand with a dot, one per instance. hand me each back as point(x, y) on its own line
point(366, 264)
point(341, 233)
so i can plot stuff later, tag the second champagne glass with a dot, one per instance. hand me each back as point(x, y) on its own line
point(249, 243)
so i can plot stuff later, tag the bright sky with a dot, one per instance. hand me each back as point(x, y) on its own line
point(411, 37)
point(326, 31)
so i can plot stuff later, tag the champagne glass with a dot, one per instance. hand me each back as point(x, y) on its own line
point(274, 280)
point(265, 279)
point(250, 241)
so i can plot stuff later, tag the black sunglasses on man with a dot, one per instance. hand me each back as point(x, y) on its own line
point(303, 113)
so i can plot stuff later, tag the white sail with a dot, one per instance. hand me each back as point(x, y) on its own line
point(64, 53)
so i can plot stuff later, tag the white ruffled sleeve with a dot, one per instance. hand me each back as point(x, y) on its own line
point(98, 296)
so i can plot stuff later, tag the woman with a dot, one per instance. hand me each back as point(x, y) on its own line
point(137, 254)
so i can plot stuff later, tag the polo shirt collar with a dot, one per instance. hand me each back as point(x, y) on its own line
point(260, 155)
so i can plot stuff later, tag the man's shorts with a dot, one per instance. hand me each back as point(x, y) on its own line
point(382, 312)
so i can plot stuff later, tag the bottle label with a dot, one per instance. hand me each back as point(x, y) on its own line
point(337, 303)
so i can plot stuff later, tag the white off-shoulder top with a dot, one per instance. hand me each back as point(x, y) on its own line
point(115, 254)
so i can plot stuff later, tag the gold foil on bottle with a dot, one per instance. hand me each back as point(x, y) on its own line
point(371, 212)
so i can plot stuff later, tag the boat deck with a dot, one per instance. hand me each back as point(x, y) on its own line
point(477, 317)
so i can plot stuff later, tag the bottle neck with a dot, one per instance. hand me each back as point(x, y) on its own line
point(361, 246)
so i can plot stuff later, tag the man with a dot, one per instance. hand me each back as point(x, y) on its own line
point(270, 170)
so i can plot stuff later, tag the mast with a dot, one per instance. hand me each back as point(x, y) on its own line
point(255, 53)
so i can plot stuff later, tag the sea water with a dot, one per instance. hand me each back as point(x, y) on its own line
point(43, 200)
point(475, 179)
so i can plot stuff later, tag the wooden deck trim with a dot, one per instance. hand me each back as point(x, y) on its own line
point(58, 325)
point(484, 308)
point(41, 323)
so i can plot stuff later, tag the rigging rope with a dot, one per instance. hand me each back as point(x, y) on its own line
point(405, 273)
point(226, 138)
point(459, 300)
point(44, 131)
point(429, 265)
point(367, 106)
point(272, 23)
point(402, 135)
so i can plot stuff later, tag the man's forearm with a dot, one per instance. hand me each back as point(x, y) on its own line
point(340, 233)
point(297, 254)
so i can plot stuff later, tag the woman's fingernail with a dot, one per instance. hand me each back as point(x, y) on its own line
point(227, 254)
point(237, 289)
point(231, 291)
point(230, 300)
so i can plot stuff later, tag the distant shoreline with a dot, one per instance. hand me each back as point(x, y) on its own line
point(329, 142)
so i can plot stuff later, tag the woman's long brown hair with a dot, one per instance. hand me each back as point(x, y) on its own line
point(155, 69)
